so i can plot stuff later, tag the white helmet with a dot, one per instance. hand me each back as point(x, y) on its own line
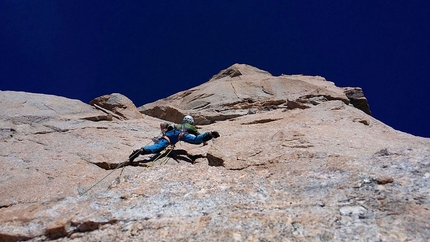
point(188, 119)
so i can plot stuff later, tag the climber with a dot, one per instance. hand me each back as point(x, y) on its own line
point(187, 125)
point(186, 132)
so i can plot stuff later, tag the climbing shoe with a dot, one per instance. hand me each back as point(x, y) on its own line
point(215, 134)
point(134, 155)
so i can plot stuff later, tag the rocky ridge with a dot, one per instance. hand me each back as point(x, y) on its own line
point(297, 160)
point(242, 89)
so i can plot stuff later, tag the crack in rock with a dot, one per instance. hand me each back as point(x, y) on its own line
point(262, 121)
point(177, 155)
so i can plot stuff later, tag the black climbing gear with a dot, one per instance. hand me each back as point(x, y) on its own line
point(134, 154)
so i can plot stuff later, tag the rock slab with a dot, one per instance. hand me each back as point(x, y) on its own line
point(327, 172)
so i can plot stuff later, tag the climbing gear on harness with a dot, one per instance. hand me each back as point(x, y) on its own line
point(164, 154)
point(167, 156)
point(179, 137)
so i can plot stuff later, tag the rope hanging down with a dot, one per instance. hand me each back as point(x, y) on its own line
point(95, 184)
point(166, 155)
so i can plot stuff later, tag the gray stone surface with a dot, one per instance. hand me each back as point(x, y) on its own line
point(328, 172)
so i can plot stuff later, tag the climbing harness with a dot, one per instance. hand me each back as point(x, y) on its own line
point(171, 146)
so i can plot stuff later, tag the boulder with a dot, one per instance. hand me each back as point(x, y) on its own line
point(117, 105)
point(357, 99)
point(27, 113)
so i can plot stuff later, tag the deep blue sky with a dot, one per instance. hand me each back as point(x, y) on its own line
point(148, 50)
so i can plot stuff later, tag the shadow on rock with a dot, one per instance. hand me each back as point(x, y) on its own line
point(177, 154)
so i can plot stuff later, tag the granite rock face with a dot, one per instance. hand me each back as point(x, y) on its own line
point(318, 169)
point(242, 89)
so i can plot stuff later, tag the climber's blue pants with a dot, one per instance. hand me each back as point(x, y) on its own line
point(174, 136)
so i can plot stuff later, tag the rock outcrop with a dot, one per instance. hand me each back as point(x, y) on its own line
point(311, 167)
point(30, 113)
point(242, 89)
point(117, 105)
point(357, 99)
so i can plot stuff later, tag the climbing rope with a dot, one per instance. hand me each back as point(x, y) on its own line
point(95, 184)
point(166, 157)
point(167, 153)
point(164, 154)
